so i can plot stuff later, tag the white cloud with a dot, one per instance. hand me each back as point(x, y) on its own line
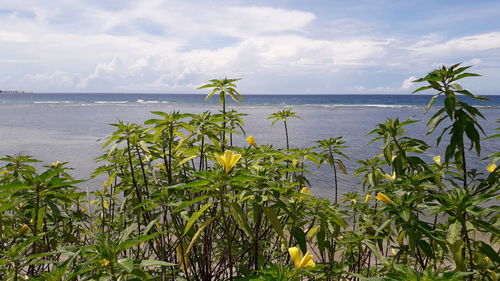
point(474, 61)
point(475, 43)
point(16, 37)
point(177, 69)
point(205, 19)
point(168, 46)
point(408, 83)
point(57, 80)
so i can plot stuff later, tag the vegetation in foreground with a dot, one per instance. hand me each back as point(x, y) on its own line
point(181, 202)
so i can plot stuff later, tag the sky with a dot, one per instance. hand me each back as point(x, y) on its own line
point(276, 46)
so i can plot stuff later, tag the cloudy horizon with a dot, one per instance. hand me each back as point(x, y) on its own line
point(278, 47)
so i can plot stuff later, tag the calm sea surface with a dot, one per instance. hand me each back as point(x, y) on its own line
point(66, 127)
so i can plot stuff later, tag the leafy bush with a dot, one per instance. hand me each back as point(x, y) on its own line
point(180, 202)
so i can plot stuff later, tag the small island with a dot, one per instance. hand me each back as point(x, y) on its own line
point(12, 92)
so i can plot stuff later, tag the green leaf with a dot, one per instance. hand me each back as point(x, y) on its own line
point(486, 227)
point(273, 218)
point(183, 161)
point(189, 203)
point(383, 225)
point(139, 240)
point(125, 234)
point(6, 206)
point(431, 102)
point(197, 235)
point(240, 218)
point(195, 217)
point(463, 75)
point(405, 215)
point(300, 238)
point(426, 248)
point(449, 104)
point(148, 263)
point(376, 252)
point(341, 166)
point(14, 186)
point(192, 184)
point(488, 251)
point(456, 250)
point(21, 247)
point(127, 264)
point(421, 88)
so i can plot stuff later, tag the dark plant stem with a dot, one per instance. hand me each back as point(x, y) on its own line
point(286, 134)
point(223, 122)
point(170, 141)
point(464, 165)
point(134, 182)
point(142, 167)
point(336, 184)
point(466, 238)
point(287, 145)
point(201, 152)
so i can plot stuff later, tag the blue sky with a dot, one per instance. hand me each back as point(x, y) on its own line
point(278, 47)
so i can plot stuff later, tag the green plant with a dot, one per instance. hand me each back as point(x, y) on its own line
point(223, 87)
point(330, 148)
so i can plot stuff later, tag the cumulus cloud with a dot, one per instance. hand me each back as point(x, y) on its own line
point(170, 46)
point(179, 69)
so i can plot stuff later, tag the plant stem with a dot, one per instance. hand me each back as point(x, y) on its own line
point(223, 122)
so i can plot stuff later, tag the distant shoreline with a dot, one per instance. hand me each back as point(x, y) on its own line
point(14, 92)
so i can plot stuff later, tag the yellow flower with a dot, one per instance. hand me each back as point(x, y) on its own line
point(382, 197)
point(4, 172)
point(104, 262)
point(304, 190)
point(251, 140)
point(55, 164)
point(367, 198)
point(437, 159)
point(390, 177)
point(295, 162)
point(84, 210)
point(491, 167)
point(380, 155)
point(23, 229)
point(354, 201)
point(299, 260)
point(228, 160)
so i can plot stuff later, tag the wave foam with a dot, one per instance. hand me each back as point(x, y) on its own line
point(111, 102)
point(148, 101)
point(52, 102)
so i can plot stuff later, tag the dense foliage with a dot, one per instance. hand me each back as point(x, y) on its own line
point(181, 202)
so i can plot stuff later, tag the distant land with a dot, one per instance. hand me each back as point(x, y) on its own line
point(14, 92)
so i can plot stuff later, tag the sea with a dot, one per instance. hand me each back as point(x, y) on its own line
point(69, 127)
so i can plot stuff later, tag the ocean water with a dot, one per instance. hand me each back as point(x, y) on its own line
point(86, 99)
point(66, 127)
